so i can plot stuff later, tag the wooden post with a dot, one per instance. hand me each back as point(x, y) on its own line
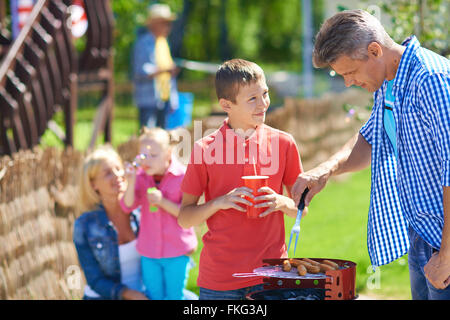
point(2, 13)
point(69, 109)
point(110, 97)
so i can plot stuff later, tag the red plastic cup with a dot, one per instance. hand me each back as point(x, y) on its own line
point(254, 183)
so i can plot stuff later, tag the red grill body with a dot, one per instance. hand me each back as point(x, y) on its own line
point(339, 284)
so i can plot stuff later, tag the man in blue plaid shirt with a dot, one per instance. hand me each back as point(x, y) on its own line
point(406, 140)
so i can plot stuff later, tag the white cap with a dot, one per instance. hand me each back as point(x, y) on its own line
point(160, 11)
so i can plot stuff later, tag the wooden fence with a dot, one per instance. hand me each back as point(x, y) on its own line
point(41, 72)
point(37, 77)
point(37, 210)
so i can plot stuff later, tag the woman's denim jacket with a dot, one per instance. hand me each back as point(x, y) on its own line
point(95, 239)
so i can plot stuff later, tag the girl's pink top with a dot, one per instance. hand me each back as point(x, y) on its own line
point(160, 235)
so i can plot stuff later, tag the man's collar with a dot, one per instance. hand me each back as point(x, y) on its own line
point(412, 44)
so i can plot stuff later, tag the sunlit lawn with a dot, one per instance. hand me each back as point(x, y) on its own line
point(124, 126)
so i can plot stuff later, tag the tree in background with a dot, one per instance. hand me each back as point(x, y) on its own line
point(427, 19)
point(129, 14)
point(215, 30)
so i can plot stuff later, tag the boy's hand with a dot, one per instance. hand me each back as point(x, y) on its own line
point(232, 199)
point(154, 197)
point(275, 202)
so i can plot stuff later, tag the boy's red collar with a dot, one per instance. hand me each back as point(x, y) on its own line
point(254, 137)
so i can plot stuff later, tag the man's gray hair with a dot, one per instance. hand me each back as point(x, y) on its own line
point(348, 33)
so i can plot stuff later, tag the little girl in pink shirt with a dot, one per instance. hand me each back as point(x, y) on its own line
point(154, 182)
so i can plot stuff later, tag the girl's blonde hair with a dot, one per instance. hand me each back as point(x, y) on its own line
point(164, 137)
point(89, 198)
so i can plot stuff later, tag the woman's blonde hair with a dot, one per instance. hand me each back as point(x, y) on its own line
point(89, 198)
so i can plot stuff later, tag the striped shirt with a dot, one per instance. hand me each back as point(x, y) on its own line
point(408, 189)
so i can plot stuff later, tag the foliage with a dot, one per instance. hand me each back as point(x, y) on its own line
point(128, 15)
point(427, 19)
point(259, 30)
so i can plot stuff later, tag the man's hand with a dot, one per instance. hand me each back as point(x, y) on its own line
point(355, 155)
point(437, 271)
point(314, 179)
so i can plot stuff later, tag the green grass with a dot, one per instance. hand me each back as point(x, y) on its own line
point(125, 124)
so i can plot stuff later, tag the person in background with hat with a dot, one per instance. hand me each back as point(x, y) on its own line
point(154, 72)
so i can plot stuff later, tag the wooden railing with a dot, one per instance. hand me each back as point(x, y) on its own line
point(37, 77)
point(40, 73)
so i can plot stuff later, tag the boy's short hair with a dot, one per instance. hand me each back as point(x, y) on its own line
point(234, 73)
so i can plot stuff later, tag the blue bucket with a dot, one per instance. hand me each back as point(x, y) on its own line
point(181, 117)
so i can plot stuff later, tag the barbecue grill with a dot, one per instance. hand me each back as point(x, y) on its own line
point(331, 285)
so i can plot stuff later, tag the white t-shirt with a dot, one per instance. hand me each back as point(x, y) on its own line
point(130, 269)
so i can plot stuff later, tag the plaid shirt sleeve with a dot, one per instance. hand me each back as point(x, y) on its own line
point(434, 96)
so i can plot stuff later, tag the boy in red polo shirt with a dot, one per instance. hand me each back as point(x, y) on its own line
point(242, 146)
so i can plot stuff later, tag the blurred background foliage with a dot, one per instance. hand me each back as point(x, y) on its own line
point(216, 30)
point(427, 19)
point(268, 31)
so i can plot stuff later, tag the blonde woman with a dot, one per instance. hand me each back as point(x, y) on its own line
point(104, 236)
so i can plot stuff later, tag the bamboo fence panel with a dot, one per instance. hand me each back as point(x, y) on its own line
point(38, 194)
